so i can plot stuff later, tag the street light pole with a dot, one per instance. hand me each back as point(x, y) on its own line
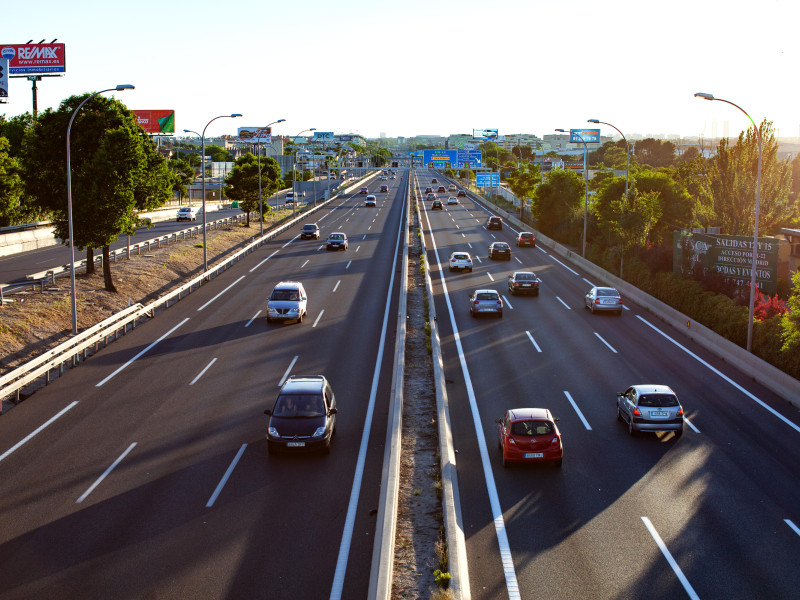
point(294, 165)
point(751, 309)
point(586, 187)
point(203, 163)
point(119, 88)
point(260, 199)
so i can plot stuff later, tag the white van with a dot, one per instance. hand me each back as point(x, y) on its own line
point(287, 302)
point(188, 213)
point(289, 198)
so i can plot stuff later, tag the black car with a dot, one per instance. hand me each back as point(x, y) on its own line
point(461, 193)
point(437, 205)
point(303, 417)
point(499, 251)
point(523, 282)
point(494, 223)
point(309, 231)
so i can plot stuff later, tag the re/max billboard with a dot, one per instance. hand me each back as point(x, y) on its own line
point(34, 59)
point(156, 121)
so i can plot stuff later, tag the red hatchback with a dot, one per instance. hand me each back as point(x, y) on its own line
point(529, 435)
point(526, 238)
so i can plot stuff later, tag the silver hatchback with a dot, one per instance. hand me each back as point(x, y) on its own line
point(485, 302)
point(649, 407)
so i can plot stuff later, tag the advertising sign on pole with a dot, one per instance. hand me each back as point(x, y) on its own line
point(484, 179)
point(34, 59)
point(323, 136)
point(484, 134)
point(3, 79)
point(590, 136)
point(156, 121)
point(731, 255)
point(255, 135)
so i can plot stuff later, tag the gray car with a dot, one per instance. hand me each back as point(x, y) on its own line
point(603, 299)
point(649, 407)
point(485, 302)
point(287, 302)
point(336, 241)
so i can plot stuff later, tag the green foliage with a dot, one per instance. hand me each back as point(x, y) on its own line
point(656, 153)
point(441, 579)
point(558, 205)
point(182, 175)
point(242, 183)
point(218, 153)
point(14, 131)
point(11, 187)
point(523, 181)
point(790, 322)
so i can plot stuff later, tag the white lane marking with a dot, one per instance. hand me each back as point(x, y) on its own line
point(490, 276)
point(348, 265)
point(347, 534)
point(318, 318)
point(578, 410)
point(358, 248)
point(225, 477)
point(792, 525)
point(105, 474)
point(609, 346)
point(131, 361)
point(457, 227)
point(336, 287)
point(38, 430)
point(573, 271)
point(589, 282)
point(725, 377)
point(663, 547)
point(478, 258)
point(304, 264)
point(288, 370)
point(564, 303)
point(370, 227)
point(512, 585)
point(320, 247)
point(220, 294)
point(290, 241)
point(518, 260)
point(535, 345)
point(689, 423)
point(363, 238)
point(263, 261)
point(253, 319)
point(468, 244)
point(201, 373)
point(462, 235)
point(493, 236)
point(507, 302)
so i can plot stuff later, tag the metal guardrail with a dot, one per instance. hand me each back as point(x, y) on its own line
point(71, 350)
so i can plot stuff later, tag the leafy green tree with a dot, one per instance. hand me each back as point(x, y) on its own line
point(182, 175)
point(795, 193)
point(14, 130)
point(677, 206)
point(790, 322)
point(10, 186)
point(241, 184)
point(558, 205)
point(656, 153)
point(218, 153)
point(733, 177)
point(116, 172)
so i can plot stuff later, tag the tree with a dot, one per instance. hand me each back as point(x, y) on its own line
point(656, 153)
point(218, 153)
point(14, 131)
point(524, 180)
point(116, 171)
point(732, 181)
point(182, 175)
point(790, 321)
point(558, 205)
point(677, 206)
point(241, 184)
point(10, 186)
point(795, 193)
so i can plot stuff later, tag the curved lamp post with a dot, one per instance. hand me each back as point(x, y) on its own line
point(203, 162)
point(260, 202)
point(586, 187)
point(119, 88)
point(294, 161)
point(751, 310)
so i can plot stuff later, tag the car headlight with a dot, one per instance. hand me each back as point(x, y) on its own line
point(273, 432)
point(272, 311)
point(319, 432)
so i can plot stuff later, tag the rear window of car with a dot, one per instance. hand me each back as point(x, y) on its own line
point(525, 276)
point(487, 296)
point(658, 400)
point(460, 257)
point(526, 236)
point(501, 246)
point(494, 219)
point(299, 406)
point(531, 428)
point(607, 293)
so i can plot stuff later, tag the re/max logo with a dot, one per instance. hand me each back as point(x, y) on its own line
point(37, 52)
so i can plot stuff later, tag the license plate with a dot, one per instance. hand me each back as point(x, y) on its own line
point(534, 455)
point(295, 444)
point(609, 301)
point(659, 413)
point(526, 285)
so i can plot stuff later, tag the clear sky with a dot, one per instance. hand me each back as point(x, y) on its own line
point(427, 66)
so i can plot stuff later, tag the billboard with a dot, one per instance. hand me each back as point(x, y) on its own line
point(254, 135)
point(731, 255)
point(323, 136)
point(484, 134)
point(3, 79)
point(156, 122)
point(34, 59)
point(590, 136)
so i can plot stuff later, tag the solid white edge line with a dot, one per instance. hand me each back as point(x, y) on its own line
point(663, 547)
point(690, 424)
point(290, 241)
point(589, 282)
point(573, 271)
point(38, 430)
point(609, 346)
point(506, 560)
point(201, 373)
point(564, 303)
point(125, 366)
point(723, 376)
point(794, 527)
point(288, 370)
point(105, 474)
point(255, 316)
point(349, 524)
point(319, 316)
point(578, 410)
point(220, 294)
point(535, 345)
point(225, 477)
point(265, 260)
point(506, 301)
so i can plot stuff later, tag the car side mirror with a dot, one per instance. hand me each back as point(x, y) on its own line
point(268, 412)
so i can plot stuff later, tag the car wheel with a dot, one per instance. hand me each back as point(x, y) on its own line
point(451, 269)
point(631, 431)
point(513, 293)
point(679, 432)
point(557, 463)
point(619, 414)
point(470, 269)
point(270, 448)
point(300, 318)
point(619, 313)
point(536, 293)
point(501, 314)
point(506, 463)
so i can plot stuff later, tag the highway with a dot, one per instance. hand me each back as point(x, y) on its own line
point(145, 473)
point(713, 514)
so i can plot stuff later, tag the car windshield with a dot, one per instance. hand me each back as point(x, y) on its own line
point(285, 295)
point(487, 296)
point(531, 428)
point(525, 276)
point(605, 292)
point(658, 400)
point(337, 236)
point(310, 227)
point(299, 406)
